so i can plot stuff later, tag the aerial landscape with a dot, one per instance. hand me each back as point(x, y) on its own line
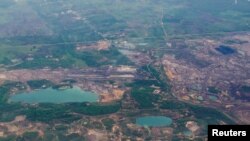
point(122, 70)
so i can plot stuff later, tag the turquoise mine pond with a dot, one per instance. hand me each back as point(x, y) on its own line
point(154, 121)
point(187, 133)
point(50, 95)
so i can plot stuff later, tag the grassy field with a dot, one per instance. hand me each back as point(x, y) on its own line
point(8, 52)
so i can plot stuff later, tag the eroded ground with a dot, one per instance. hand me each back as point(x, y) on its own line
point(212, 77)
point(143, 58)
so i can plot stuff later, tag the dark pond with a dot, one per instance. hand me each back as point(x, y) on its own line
point(225, 50)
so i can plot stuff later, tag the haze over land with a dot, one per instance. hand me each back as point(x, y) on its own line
point(185, 62)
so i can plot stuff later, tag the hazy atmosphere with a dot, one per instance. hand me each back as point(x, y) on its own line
point(122, 70)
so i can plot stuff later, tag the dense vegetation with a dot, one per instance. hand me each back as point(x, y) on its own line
point(143, 90)
point(108, 123)
point(48, 112)
point(38, 84)
point(103, 57)
point(205, 114)
point(143, 93)
point(213, 90)
point(64, 112)
point(245, 89)
point(144, 97)
point(6, 87)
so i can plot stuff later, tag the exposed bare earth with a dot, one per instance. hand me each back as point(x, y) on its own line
point(191, 82)
point(86, 79)
point(100, 45)
point(19, 126)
